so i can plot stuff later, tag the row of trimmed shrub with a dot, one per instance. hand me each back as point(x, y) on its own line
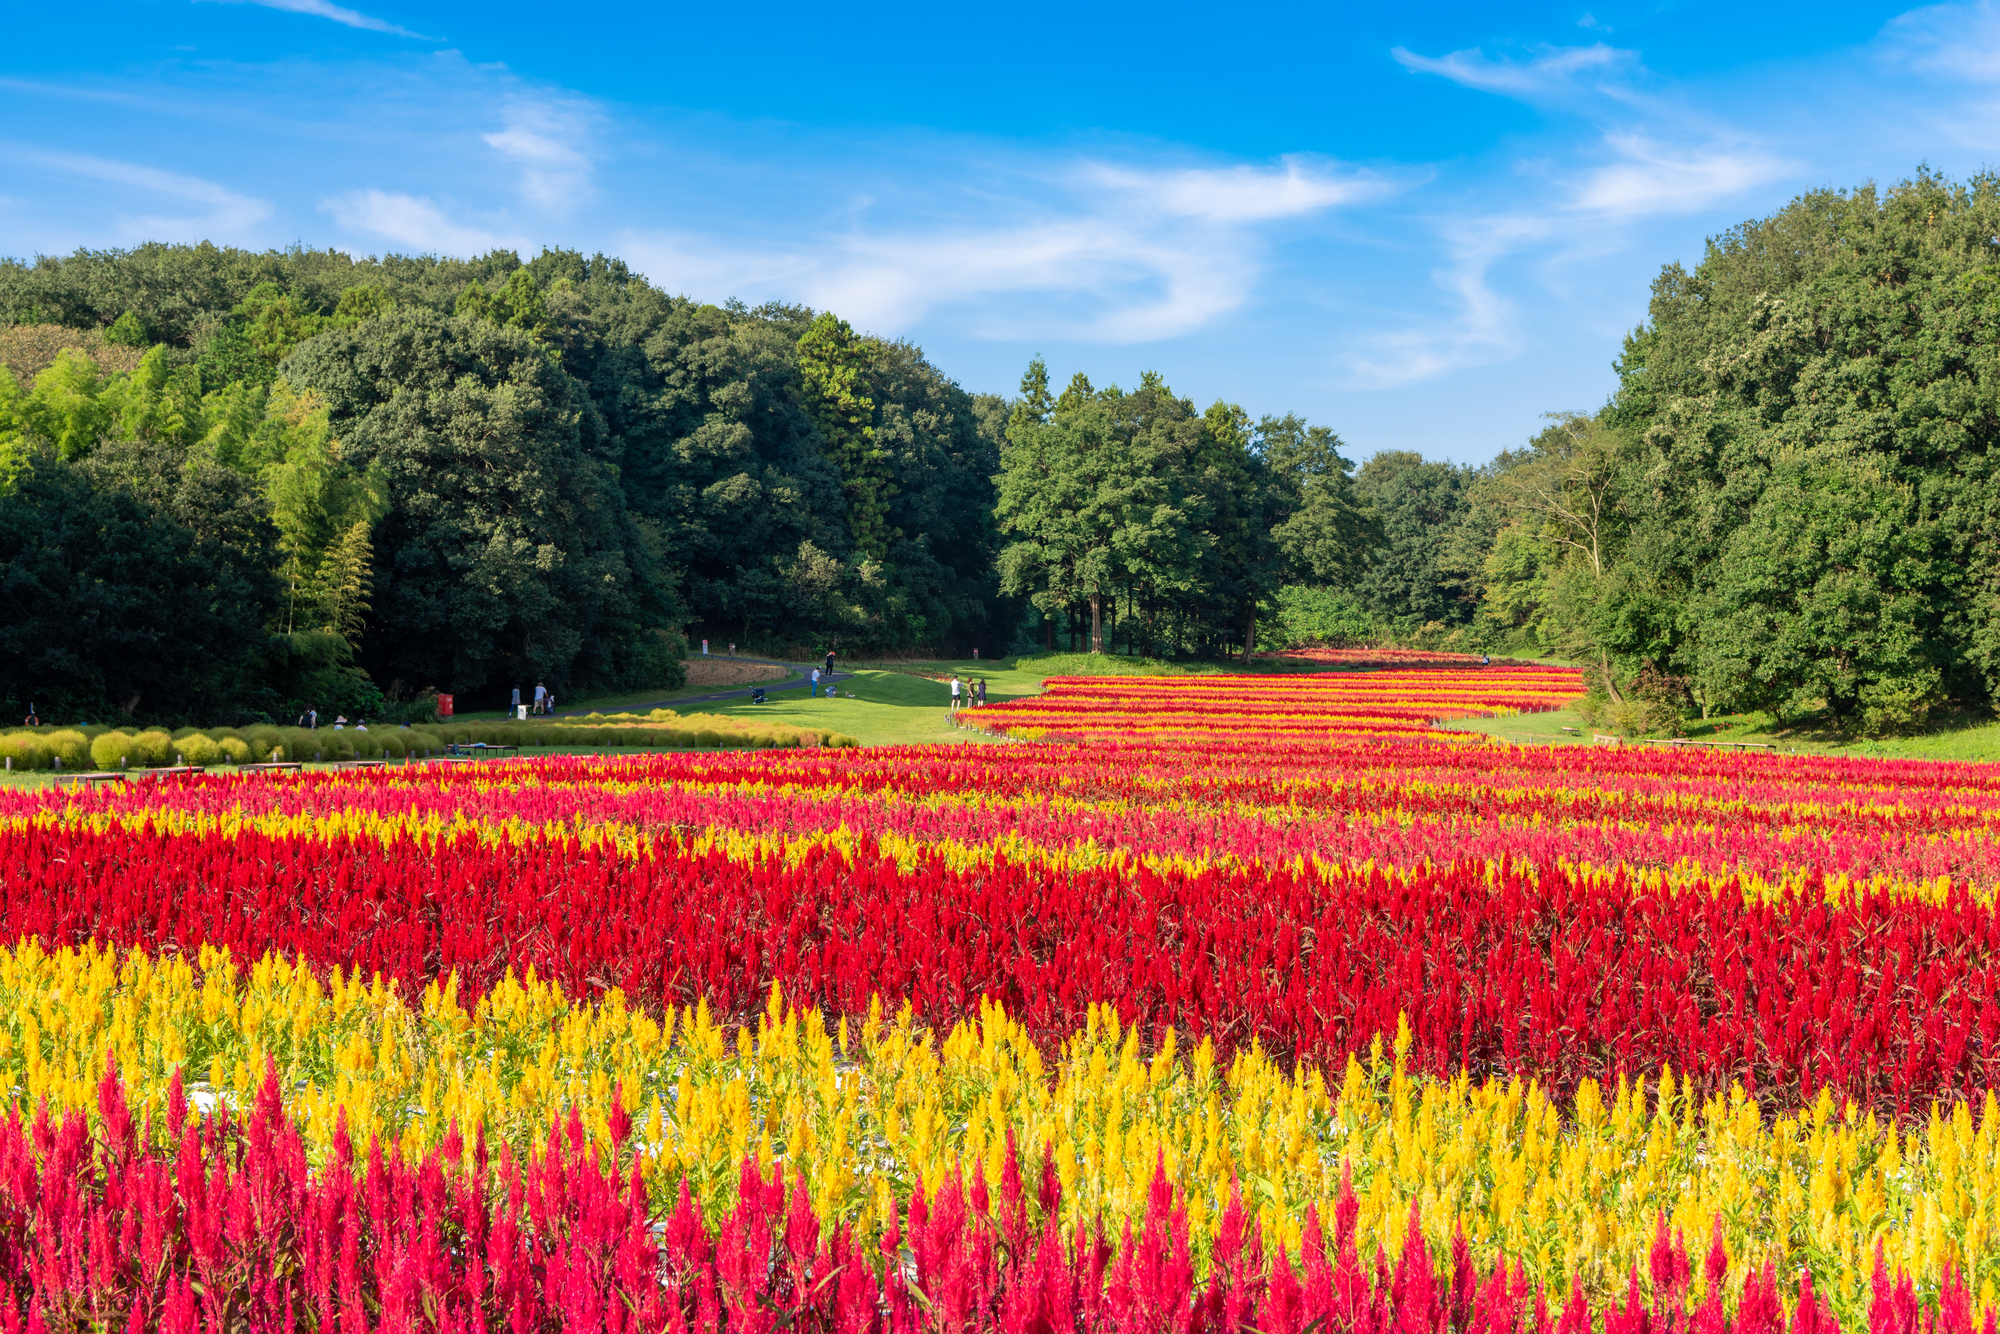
point(84, 748)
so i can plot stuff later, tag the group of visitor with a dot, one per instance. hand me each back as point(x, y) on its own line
point(826, 675)
point(310, 721)
point(544, 700)
point(973, 691)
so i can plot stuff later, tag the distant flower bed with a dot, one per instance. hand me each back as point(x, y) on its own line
point(1372, 657)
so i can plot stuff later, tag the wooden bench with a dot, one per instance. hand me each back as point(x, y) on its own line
point(273, 766)
point(91, 776)
point(359, 764)
point(472, 750)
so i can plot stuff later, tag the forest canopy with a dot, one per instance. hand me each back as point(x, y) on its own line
point(419, 474)
point(233, 480)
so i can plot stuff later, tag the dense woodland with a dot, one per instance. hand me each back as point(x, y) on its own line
point(233, 481)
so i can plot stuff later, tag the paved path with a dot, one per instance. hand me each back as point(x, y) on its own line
point(799, 676)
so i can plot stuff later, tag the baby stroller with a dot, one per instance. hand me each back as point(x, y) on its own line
point(757, 696)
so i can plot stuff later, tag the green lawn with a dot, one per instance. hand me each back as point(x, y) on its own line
point(637, 700)
point(879, 708)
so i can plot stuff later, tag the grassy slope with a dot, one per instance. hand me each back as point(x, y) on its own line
point(1977, 740)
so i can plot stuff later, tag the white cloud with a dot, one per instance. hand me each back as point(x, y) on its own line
point(1092, 279)
point(1556, 69)
point(1241, 194)
point(1124, 255)
point(1483, 326)
point(227, 215)
point(1961, 41)
point(1660, 178)
point(325, 9)
point(541, 138)
point(416, 223)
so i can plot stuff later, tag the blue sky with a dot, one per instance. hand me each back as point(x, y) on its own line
point(1424, 229)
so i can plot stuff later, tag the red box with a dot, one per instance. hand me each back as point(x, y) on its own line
point(444, 706)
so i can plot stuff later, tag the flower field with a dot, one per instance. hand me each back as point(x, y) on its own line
point(1217, 1003)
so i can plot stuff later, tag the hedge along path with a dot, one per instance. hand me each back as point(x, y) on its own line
point(114, 748)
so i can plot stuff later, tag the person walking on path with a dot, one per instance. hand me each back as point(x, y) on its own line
point(829, 662)
point(954, 694)
point(814, 690)
point(541, 697)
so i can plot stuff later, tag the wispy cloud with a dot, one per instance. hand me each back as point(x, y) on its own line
point(542, 138)
point(226, 215)
point(1652, 177)
point(1481, 325)
point(1122, 254)
point(1959, 41)
point(1242, 193)
point(1552, 69)
point(325, 9)
point(416, 223)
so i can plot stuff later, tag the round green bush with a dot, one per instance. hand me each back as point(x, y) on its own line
point(393, 745)
point(71, 747)
point(198, 750)
point(113, 750)
point(25, 749)
point(705, 737)
point(235, 750)
point(152, 749)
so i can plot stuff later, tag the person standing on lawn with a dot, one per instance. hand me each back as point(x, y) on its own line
point(954, 694)
point(814, 690)
point(829, 662)
point(981, 692)
point(541, 697)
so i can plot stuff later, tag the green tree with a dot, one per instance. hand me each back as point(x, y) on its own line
point(110, 603)
point(346, 578)
point(1085, 494)
point(507, 550)
point(1815, 408)
point(835, 368)
point(68, 407)
point(1410, 580)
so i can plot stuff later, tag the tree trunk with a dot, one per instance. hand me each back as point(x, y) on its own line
point(1250, 635)
point(1048, 632)
point(1610, 685)
point(1096, 623)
